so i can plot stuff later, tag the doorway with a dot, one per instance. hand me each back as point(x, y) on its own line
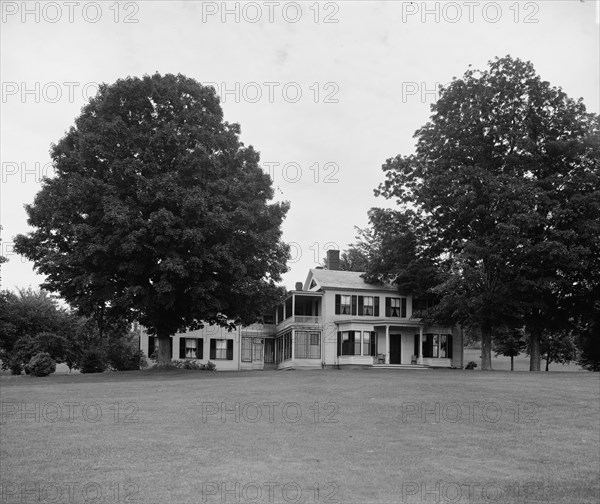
point(395, 349)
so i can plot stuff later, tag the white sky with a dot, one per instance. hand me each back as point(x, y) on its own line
point(364, 83)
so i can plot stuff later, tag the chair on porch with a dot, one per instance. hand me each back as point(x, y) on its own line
point(380, 358)
point(413, 359)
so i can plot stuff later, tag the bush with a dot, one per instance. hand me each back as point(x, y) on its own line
point(41, 364)
point(123, 357)
point(471, 365)
point(15, 366)
point(193, 365)
point(92, 361)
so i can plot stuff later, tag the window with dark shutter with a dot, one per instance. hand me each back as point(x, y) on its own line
point(339, 345)
point(449, 347)
point(373, 342)
point(200, 348)
point(353, 305)
point(213, 348)
point(388, 307)
point(182, 348)
point(376, 301)
point(338, 302)
point(229, 349)
point(403, 307)
point(360, 304)
point(416, 345)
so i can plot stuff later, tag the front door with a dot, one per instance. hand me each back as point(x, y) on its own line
point(395, 345)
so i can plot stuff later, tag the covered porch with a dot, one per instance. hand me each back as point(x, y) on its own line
point(412, 345)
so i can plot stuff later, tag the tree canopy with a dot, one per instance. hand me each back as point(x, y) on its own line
point(499, 207)
point(158, 212)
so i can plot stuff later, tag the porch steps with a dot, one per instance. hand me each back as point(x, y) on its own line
point(399, 366)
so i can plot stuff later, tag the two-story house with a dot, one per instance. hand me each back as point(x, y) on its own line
point(335, 319)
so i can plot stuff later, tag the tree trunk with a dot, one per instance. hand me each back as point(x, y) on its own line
point(547, 361)
point(512, 363)
point(534, 350)
point(163, 352)
point(486, 349)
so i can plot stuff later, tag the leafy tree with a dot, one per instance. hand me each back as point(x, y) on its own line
point(589, 345)
point(158, 212)
point(558, 346)
point(510, 343)
point(502, 198)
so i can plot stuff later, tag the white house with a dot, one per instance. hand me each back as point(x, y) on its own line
point(334, 319)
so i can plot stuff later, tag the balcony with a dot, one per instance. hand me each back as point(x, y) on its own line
point(299, 320)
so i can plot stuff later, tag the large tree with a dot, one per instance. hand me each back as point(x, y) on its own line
point(504, 184)
point(158, 212)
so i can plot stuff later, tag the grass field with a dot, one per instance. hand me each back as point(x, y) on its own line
point(367, 436)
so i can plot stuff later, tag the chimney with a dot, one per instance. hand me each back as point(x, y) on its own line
point(299, 286)
point(333, 260)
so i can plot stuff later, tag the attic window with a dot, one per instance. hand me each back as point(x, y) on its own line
point(313, 284)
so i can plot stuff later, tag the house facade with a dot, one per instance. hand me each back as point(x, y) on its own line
point(332, 320)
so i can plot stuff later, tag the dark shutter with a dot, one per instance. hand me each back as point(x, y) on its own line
point(339, 345)
point(417, 345)
point(376, 305)
point(229, 349)
point(388, 307)
point(373, 343)
point(213, 348)
point(200, 348)
point(353, 305)
point(361, 301)
point(182, 348)
point(429, 346)
point(403, 307)
point(150, 345)
point(338, 302)
point(449, 346)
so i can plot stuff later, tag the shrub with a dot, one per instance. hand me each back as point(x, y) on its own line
point(41, 364)
point(92, 361)
point(15, 365)
point(193, 365)
point(123, 357)
point(471, 365)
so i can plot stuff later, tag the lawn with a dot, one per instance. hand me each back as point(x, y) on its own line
point(350, 436)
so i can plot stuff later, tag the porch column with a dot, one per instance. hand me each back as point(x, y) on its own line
point(387, 344)
point(293, 308)
point(293, 346)
point(420, 359)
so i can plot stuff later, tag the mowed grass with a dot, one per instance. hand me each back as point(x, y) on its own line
point(347, 436)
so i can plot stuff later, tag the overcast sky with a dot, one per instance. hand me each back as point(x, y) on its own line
point(325, 91)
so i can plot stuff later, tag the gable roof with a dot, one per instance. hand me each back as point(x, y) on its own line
point(334, 279)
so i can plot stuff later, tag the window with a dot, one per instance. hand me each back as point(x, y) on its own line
point(349, 343)
point(315, 345)
point(221, 349)
point(287, 345)
point(269, 351)
point(257, 349)
point(246, 349)
point(435, 348)
point(346, 305)
point(301, 344)
point(395, 307)
point(443, 345)
point(437, 345)
point(367, 305)
point(191, 348)
point(366, 343)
